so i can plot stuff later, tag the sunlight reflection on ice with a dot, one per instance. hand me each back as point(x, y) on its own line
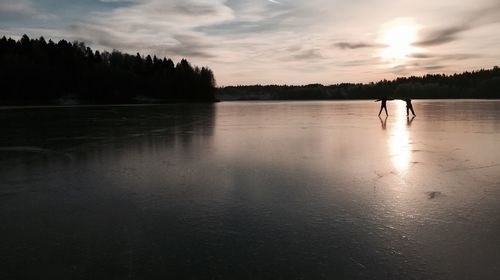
point(399, 142)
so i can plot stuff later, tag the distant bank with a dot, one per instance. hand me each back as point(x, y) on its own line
point(477, 84)
point(37, 72)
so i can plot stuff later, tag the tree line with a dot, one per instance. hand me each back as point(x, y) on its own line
point(34, 71)
point(475, 84)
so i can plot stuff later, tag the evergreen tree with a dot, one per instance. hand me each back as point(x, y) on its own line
point(33, 71)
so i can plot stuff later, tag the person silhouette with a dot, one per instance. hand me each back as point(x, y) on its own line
point(383, 105)
point(409, 106)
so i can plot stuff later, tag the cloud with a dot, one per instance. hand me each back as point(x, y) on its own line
point(442, 36)
point(416, 69)
point(115, 1)
point(187, 46)
point(16, 7)
point(403, 69)
point(444, 57)
point(165, 28)
point(422, 63)
point(195, 9)
point(421, 55)
point(434, 67)
point(353, 46)
point(309, 54)
point(472, 19)
point(359, 62)
point(254, 17)
point(20, 9)
point(420, 67)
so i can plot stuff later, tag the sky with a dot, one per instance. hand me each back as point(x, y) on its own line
point(277, 41)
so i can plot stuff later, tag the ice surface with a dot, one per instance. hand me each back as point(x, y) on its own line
point(249, 190)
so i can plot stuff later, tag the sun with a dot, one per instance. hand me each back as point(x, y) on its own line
point(398, 36)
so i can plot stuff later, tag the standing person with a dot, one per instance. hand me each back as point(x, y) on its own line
point(409, 107)
point(383, 105)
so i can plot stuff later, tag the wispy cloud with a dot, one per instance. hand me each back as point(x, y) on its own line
point(187, 46)
point(354, 46)
point(22, 10)
point(359, 62)
point(469, 20)
point(443, 57)
point(442, 36)
point(166, 28)
point(115, 1)
point(421, 63)
point(309, 54)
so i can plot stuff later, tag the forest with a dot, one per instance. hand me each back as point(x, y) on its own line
point(475, 84)
point(35, 72)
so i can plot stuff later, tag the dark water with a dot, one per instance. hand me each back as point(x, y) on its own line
point(251, 190)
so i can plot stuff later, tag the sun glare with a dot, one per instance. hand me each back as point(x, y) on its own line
point(398, 37)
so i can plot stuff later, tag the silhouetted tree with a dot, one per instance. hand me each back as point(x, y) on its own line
point(33, 71)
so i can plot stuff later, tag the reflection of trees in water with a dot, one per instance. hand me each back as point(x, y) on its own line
point(103, 130)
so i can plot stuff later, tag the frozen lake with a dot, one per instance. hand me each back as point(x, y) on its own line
point(251, 190)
